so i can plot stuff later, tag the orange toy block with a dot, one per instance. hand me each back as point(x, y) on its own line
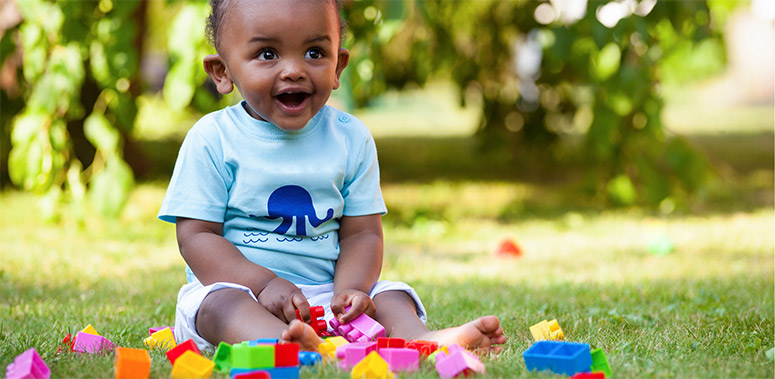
point(132, 363)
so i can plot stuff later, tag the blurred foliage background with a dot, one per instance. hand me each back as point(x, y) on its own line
point(98, 94)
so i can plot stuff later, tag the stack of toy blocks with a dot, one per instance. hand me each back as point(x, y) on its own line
point(397, 355)
point(248, 359)
point(89, 341)
point(350, 354)
point(162, 339)
point(560, 357)
point(458, 362)
point(28, 365)
point(317, 324)
point(362, 329)
point(547, 331)
point(132, 363)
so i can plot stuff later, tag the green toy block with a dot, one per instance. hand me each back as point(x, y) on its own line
point(599, 362)
point(246, 356)
point(222, 358)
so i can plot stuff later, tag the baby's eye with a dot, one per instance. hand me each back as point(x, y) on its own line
point(267, 55)
point(314, 53)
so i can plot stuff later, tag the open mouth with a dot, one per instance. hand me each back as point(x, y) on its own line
point(292, 99)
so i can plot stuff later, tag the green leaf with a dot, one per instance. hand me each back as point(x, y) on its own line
point(622, 191)
point(110, 189)
point(606, 63)
point(101, 133)
point(178, 87)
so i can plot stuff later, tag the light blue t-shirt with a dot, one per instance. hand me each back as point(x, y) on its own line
point(279, 194)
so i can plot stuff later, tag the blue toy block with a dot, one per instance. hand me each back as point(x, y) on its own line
point(309, 358)
point(291, 372)
point(263, 341)
point(560, 357)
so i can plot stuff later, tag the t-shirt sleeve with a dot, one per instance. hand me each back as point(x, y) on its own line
point(362, 193)
point(199, 185)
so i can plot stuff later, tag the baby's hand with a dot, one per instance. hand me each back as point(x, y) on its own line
point(282, 298)
point(359, 302)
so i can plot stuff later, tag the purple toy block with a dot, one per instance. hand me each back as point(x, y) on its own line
point(158, 328)
point(349, 355)
point(457, 362)
point(89, 343)
point(401, 359)
point(28, 365)
point(362, 329)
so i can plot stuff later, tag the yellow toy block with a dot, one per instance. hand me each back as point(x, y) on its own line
point(90, 329)
point(432, 356)
point(547, 331)
point(163, 339)
point(327, 349)
point(132, 363)
point(191, 365)
point(372, 367)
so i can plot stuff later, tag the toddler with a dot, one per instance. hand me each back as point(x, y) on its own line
point(276, 200)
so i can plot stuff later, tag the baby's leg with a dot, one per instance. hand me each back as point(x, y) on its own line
point(396, 312)
point(231, 315)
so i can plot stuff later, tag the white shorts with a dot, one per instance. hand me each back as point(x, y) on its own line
point(192, 295)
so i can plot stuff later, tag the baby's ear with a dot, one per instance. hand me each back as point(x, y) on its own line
point(341, 62)
point(217, 70)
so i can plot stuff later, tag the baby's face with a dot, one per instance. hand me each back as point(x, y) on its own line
point(283, 56)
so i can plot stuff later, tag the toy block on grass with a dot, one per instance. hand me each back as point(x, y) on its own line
point(90, 330)
point(362, 329)
point(588, 375)
point(309, 358)
point(192, 365)
point(317, 324)
point(458, 362)
point(92, 344)
point(177, 351)
point(349, 355)
point(425, 347)
point(286, 354)
point(244, 356)
point(372, 367)
point(327, 349)
point(383, 342)
point(68, 343)
point(547, 331)
point(559, 357)
point(401, 358)
point(264, 341)
point(132, 363)
point(599, 362)
point(163, 339)
point(291, 372)
point(260, 374)
point(222, 358)
point(158, 328)
point(432, 356)
point(28, 365)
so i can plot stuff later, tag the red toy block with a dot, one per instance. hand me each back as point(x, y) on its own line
point(177, 351)
point(69, 342)
point(425, 347)
point(286, 354)
point(510, 248)
point(383, 342)
point(588, 375)
point(262, 374)
point(318, 325)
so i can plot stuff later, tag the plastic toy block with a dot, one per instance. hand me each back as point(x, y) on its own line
point(588, 375)
point(458, 362)
point(158, 328)
point(547, 331)
point(383, 342)
point(260, 374)
point(432, 356)
point(291, 372)
point(68, 343)
point(327, 349)
point(253, 357)
point(222, 358)
point(286, 354)
point(349, 355)
point(192, 365)
point(599, 362)
point(90, 330)
point(373, 366)
point(400, 358)
point(309, 358)
point(28, 365)
point(362, 329)
point(263, 341)
point(509, 248)
point(89, 343)
point(132, 363)
point(163, 339)
point(317, 324)
point(176, 352)
point(559, 357)
point(425, 347)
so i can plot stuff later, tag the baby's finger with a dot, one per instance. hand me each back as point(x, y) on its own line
point(301, 304)
point(338, 305)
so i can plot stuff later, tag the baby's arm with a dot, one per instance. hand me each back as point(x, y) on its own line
point(358, 266)
point(212, 258)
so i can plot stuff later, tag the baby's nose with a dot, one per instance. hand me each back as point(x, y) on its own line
point(293, 70)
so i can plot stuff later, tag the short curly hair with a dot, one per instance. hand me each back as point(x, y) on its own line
point(218, 9)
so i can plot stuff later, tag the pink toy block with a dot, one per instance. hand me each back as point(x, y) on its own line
point(401, 359)
point(158, 328)
point(349, 355)
point(28, 365)
point(89, 343)
point(362, 329)
point(457, 362)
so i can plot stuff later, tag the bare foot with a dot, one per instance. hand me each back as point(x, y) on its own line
point(302, 334)
point(481, 335)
